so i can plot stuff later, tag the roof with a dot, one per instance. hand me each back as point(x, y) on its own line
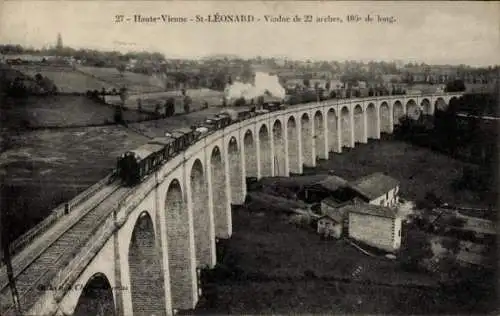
point(374, 185)
point(330, 183)
point(146, 150)
point(161, 140)
point(271, 99)
point(371, 209)
point(335, 214)
point(330, 201)
point(179, 132)
point(294, 181)
point(336, 217)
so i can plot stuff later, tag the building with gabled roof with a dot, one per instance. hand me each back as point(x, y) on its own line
point(377, 188)
point(375, 225)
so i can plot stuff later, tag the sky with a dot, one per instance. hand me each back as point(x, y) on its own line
point(431, 32)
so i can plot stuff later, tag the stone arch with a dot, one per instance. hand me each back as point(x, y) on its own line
point(453, 103)
point(319, 135)
point(293, 145)
point(220, 199)
point(250, 154)
point(413, 110)
point(426, 107)
point(146, 273)
point(371, 122)
point(307, 140)
point(440, 105)
point(385, 118)
point(96, 297)
point(235, 173)
point(345, 121)
point(265, 152)
point(359, 124)
point(397, 112)
point(201, 214)
point(333, 130)
point(279, 149)
point(179, 247)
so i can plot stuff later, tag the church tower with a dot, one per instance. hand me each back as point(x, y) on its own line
point(59, 44)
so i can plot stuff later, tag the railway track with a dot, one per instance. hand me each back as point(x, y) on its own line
point(35, 270)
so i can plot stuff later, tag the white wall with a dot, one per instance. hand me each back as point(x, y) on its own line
point(389, 199)
point(373, 230)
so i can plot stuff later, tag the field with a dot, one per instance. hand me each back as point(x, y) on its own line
point(42, 169)
point(137, 83)
point(269, 266)
point(67, 79)
point(150, 100)
point(59, 111)
point(419, 170)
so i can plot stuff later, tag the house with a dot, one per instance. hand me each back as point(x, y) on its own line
point(330, 225)
point(322, 188)
point(374, 225)
point(334, 209)
point(377, 188)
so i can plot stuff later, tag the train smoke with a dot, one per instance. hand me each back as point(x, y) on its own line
point(264, 83)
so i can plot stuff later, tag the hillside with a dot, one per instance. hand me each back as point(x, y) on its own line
point(65, 78)
point(136, 83)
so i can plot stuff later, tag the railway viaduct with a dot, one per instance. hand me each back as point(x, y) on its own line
point(140, 252)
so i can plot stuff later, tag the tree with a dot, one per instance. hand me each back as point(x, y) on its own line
point(187, 104)
point(307, 83)
point(170, 107)
point(457, 85)
point(416, 249)
point(240, 102)
point(260, 101)
point(121, 68)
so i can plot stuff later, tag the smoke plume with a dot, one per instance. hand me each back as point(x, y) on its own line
point(264, 83)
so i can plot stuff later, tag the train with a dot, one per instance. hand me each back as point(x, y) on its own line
point(134, 166)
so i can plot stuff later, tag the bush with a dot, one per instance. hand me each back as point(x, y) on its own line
point(300, 220)
point(240, 102)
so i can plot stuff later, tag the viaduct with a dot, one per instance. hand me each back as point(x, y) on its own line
point(136, 251)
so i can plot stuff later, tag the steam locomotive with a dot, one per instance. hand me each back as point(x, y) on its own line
point(134, 165)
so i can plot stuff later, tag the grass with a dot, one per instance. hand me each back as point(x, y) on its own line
point(44, 168)
point(67, 79)
point(272, 267)
point(149, 101)
point(137, 83)
point(418, 169)
point(60, 111)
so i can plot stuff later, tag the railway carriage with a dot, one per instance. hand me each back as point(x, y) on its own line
point(135, 164)
point(184, 137)
point(168, 150)
point(238, 115)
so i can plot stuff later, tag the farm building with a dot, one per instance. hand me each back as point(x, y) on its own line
point(374, 225)
point(333, 209)
point(377, 189)
point(330, 225)
point(327, 187)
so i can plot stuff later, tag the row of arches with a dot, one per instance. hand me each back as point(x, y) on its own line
point(222, 180)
